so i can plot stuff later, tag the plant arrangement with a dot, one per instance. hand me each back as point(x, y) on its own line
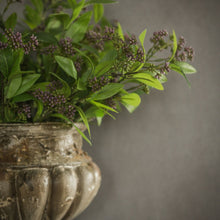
point(68, 63)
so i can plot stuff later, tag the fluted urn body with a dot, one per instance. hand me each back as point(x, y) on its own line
point(44, 173)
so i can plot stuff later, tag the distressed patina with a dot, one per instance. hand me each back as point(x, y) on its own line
point(44, 173)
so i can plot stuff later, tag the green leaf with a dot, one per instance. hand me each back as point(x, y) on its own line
point(10, 62)
point(60, 116)
point(6, 61)
point(99, 116)
point(23, 98)
point(183, 66)
point(84, 118)
point(38, 5)
point(102, 106)
point(11, 21)
point(14, 86)
point(98, 12)
point(180, 71)
point(82, 134)
point(90, 49)
point(100, 2)
point(67, 65)
point(27, 82)
point(42, 86)
point(66, 89)
point(9, 115)
point(40, 108)
point(46, 37)
point(105, 22)
point(53, 26)
point(78, 29)
point(62, 17)
point(33, 17)
point(72, 3)
point(83, 80)
point(131, 101)
point(103, 67)
point(142, 38)
point(18, 57)
point(98, 113)
point(107, 91)
point(90, 61)
point(174, 46)
point(149, 80)
point(120, 31)
point(109, 55)
point(77, 8)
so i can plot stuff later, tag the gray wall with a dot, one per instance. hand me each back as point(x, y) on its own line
point(162, 162)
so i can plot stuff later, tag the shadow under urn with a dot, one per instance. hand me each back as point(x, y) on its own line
point(44, 173)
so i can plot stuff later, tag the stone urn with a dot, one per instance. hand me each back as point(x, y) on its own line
point(44, 173)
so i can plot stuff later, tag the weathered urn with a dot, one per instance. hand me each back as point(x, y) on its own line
point(44, 173)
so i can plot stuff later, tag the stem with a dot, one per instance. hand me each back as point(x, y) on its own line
point(159, 60)
point(153, 51)
point(6, 7)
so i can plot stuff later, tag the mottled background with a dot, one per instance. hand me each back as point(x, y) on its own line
point(162, 162)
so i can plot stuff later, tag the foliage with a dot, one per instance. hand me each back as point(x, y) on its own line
point(70, 63)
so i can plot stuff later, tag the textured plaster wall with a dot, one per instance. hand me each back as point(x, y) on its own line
point(162, 162)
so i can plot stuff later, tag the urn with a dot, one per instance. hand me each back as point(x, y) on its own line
point(44, 173)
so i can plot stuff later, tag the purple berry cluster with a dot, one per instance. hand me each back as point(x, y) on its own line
point(55, 102)
point(96, 39)
point(111, 103)
point(165, 68)
point(25, 110)
point(68, 110)
point(162, 70)
point(140, 55)
point(49, 50)
point(49, 99)
point(109, 33)
point(31, 45)
point(15, 41)
point(97, 83)
point(78, 64)
point(130, 40)
point(54, 85)
point(158, 37)
point(181, 43)
point(128, 53)
point(3, 45)
point(183, 53)
point(66, 45)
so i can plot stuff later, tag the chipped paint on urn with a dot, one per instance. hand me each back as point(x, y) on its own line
point(44, 173)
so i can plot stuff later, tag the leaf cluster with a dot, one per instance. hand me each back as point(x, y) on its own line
point(83, 68)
